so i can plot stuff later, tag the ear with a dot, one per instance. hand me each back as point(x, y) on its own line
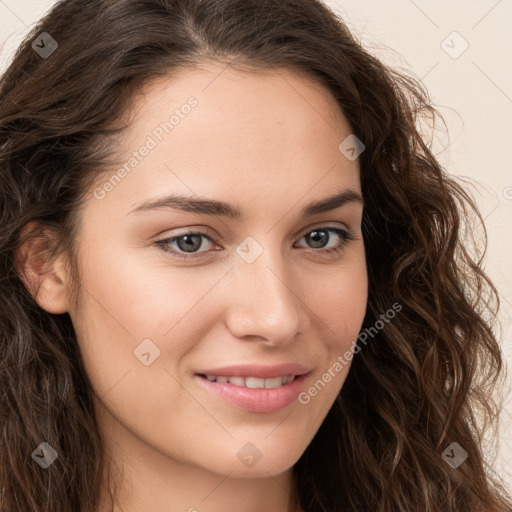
point(46, 279)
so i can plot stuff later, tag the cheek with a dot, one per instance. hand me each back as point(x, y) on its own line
point(123, 305)
point(117, 312)
point(341, 304)
point(139, 298)
point(341, 310)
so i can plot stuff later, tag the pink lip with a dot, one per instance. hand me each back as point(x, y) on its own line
point(254, 370)
point(255, 400)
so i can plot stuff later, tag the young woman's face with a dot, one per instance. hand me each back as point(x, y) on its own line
point(257, 291)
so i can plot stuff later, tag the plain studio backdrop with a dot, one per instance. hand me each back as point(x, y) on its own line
point(460, 51)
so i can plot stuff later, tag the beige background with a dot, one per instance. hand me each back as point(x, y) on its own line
point(460, 49)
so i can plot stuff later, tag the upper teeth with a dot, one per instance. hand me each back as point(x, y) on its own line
point(253, 382)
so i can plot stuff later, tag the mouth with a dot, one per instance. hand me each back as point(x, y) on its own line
point(254, 393)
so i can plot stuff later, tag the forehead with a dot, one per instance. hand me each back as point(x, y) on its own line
point(247, 134)
point(234, 105)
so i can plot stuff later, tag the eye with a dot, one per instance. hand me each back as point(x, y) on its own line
point(188, 244)
point(320, 235)
point(185, 242)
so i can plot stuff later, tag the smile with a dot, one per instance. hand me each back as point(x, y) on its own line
point(254, 394)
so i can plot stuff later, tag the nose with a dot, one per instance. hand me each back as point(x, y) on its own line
point(265, 304)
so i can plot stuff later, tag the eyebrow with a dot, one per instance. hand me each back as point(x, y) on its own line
point(207, 206)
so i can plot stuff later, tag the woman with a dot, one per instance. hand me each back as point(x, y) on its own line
point(231, 272)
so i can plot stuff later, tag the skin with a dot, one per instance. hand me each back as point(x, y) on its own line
point(269, 143)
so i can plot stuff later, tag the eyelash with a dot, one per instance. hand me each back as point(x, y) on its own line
point(346, 236)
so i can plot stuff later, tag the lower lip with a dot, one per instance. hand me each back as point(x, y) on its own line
point(259, 399)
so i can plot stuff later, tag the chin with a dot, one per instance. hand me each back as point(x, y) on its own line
point(259, 471)
point(272, 465)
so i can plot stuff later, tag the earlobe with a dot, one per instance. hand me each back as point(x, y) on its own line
point(45, 278)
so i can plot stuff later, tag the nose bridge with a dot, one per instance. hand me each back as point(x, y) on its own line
point(265, 303)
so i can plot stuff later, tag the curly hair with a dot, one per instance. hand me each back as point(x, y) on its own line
point(429, 378)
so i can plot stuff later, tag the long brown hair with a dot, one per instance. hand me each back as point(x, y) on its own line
point(427, 378)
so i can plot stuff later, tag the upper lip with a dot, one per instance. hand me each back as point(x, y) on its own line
point(260, 371)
